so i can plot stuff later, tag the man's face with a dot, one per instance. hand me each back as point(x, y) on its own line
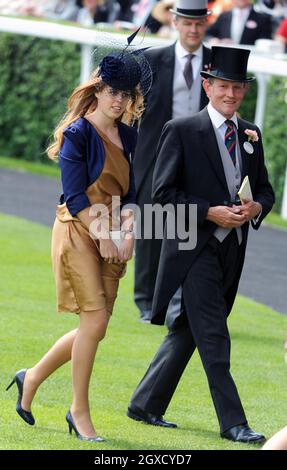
point(191, 32)
point(224, 95)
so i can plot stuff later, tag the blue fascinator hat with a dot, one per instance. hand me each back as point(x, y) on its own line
point(126, 67)
point(120, 71)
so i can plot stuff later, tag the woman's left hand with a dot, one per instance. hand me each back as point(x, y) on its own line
point(126, 249)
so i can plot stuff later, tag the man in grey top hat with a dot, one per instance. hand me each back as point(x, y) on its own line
point(176, 92)
point(202, 161)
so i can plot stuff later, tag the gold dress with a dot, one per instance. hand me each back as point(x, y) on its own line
point(84, 281)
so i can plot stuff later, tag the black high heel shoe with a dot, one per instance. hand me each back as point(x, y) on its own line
point(19, 380)
point(71, 424)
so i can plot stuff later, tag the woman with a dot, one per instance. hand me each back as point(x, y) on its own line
point(279, 440)
point(94, 148)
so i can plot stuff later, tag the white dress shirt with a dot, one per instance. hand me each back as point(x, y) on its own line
point(181, 55)
point(218, 120)
point(239, 18)
point(186, 102)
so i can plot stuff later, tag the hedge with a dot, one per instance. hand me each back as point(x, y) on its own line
point(274, 131)
point(37, 76)
point(275, 135)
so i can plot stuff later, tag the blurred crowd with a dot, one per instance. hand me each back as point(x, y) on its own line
point(232, 21)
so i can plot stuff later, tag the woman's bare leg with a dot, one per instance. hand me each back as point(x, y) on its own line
point(278, 441)
point(59, 354)
point(91, 331)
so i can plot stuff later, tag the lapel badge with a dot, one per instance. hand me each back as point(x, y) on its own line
point(248, 147)
point(253, 137)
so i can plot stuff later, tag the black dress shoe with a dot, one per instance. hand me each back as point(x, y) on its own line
point(149, 418)
point(243, 433)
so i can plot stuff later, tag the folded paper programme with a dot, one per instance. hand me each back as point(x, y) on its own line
point(245, 193)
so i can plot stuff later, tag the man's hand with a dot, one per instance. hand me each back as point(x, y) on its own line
point(250, 209)
point(226, 217)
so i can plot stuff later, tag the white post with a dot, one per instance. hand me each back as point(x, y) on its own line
point(262, 81)
point(86, 62)
point(284, 200)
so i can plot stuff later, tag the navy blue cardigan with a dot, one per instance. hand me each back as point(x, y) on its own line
point(82, 158)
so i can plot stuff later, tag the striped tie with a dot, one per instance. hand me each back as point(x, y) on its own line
point(230, 140)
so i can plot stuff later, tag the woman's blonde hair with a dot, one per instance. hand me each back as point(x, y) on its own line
point(83, 101)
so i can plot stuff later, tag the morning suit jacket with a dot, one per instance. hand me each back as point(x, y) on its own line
point(261, 27)
point(189, 170)
point(158, 111)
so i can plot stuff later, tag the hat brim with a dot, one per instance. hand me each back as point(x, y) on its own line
point(193, 16)
point(228, 79)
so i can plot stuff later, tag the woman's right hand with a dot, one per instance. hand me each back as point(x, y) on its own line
point(108, 250)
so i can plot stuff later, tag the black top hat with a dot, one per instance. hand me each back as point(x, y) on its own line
point(228, 63)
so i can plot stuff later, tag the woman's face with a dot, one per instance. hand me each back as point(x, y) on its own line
point(113, 102)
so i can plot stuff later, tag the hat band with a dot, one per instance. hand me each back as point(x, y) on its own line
point(184, 11)
point(237, 77)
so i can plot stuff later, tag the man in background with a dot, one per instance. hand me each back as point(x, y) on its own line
point(176, 92)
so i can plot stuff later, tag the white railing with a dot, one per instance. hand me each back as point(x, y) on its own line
point(261, 65)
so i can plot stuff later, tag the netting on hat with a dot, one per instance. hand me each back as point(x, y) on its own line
point(122, 65)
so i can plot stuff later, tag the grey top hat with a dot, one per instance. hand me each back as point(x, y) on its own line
point(191, 8)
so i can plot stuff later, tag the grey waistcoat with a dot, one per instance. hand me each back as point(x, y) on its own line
point(233, 178)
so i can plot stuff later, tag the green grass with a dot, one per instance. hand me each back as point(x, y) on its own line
point(44, 169)
point(52, 169)
point(29, 326)
point(276, 220)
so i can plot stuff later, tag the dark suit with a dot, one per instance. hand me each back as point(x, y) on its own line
point(158, 112)
point(221, 29)
point(189, 170)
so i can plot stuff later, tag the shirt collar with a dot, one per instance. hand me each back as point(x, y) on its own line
point(217, 118)
point(181, 52)
point(242, 11)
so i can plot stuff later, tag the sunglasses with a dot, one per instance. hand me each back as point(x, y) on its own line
point(125, 95)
